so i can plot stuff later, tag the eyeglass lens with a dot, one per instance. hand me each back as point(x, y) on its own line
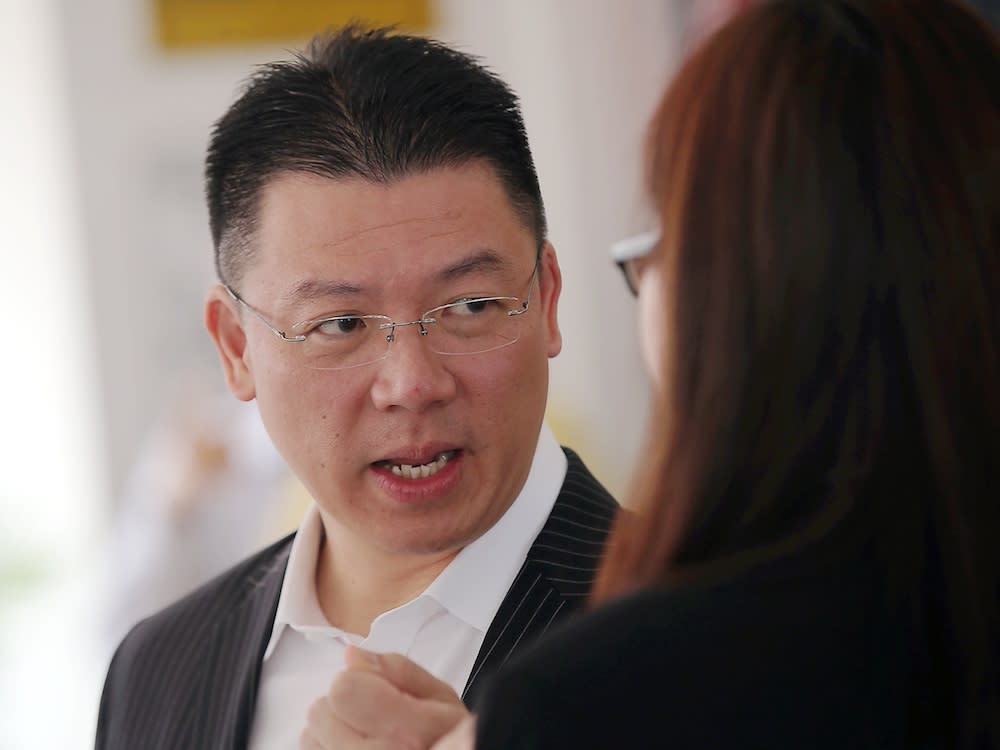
point(468, 327)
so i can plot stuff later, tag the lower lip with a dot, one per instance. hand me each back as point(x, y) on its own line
point(419, 491)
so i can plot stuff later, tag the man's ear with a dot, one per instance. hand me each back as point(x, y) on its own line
point(549, 288)
point(225, 326)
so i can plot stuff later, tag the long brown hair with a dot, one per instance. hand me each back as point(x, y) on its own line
point(827, 173)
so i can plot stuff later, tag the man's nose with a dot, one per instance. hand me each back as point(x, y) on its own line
point(413, 376)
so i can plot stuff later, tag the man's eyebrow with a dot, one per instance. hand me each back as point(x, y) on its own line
point(484, 260)
point(312, 289)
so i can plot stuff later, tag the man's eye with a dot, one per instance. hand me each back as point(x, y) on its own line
point(340, 326)
point(472, 306)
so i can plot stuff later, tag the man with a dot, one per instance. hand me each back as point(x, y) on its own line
point(389, 299)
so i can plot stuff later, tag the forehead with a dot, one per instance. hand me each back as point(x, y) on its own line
point(313, 228)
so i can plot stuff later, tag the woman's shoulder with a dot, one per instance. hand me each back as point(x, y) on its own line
point(811, 659)
point(784, 607)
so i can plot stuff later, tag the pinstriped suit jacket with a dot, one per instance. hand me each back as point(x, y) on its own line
point(186, 678)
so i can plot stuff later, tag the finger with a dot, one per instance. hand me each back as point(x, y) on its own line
point(404, 673)
point(375, 708)
point(365, 701)
point(360, 659)
point(361, 699)
point(310, 742)
point(462, 737)
point(325, 730)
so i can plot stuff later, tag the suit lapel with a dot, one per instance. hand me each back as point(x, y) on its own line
point(223, 702)
point(556, 576)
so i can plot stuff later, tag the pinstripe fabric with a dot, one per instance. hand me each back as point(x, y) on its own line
point(557, 573)
point(187, 678)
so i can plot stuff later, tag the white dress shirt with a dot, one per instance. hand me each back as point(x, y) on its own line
point(442, 630)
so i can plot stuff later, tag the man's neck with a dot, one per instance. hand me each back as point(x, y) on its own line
point(356, 582)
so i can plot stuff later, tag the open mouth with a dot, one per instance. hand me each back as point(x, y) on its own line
point(419, 471)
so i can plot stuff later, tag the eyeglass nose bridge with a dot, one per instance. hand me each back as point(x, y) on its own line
point(422, 322)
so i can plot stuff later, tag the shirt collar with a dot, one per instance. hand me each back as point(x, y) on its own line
point(471, 587)
point(477, 580)
point(298, 605)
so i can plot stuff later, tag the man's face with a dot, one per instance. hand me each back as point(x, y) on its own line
point(331, 247)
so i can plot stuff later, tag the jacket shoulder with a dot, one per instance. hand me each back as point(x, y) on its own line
point(216, 598)
point(158, 663)
point(581, 488)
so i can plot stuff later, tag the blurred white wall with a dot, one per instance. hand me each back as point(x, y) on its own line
point(141, 124)
point(107, 235)
point(52, 482)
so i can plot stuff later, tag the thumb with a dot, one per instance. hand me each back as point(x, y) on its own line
point(461, 737)
point(361, 660)
point(404, 673)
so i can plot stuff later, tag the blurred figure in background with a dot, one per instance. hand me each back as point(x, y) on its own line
point(813, 559)
point(208, 488)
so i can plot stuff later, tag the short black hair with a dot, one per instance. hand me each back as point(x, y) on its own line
point(369, 103)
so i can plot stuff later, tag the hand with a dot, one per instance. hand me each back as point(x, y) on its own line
point(382, 701)
point(462, 737)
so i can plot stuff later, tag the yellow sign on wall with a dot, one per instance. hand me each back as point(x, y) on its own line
point(185, 24)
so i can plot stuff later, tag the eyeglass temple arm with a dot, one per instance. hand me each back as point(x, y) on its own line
point(524, 305)
point(279, 333)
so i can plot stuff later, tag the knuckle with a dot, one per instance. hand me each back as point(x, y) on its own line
point(316, 709)
point(394, 664)
point(402, 739)
point(341, 687)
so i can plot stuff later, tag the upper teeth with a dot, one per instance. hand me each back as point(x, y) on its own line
point(421, 471)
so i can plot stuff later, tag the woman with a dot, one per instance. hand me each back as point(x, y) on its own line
point(817, 506)
point(813, 561)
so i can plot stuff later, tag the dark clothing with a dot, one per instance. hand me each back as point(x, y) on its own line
point(783, 658)
point(186, 678)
